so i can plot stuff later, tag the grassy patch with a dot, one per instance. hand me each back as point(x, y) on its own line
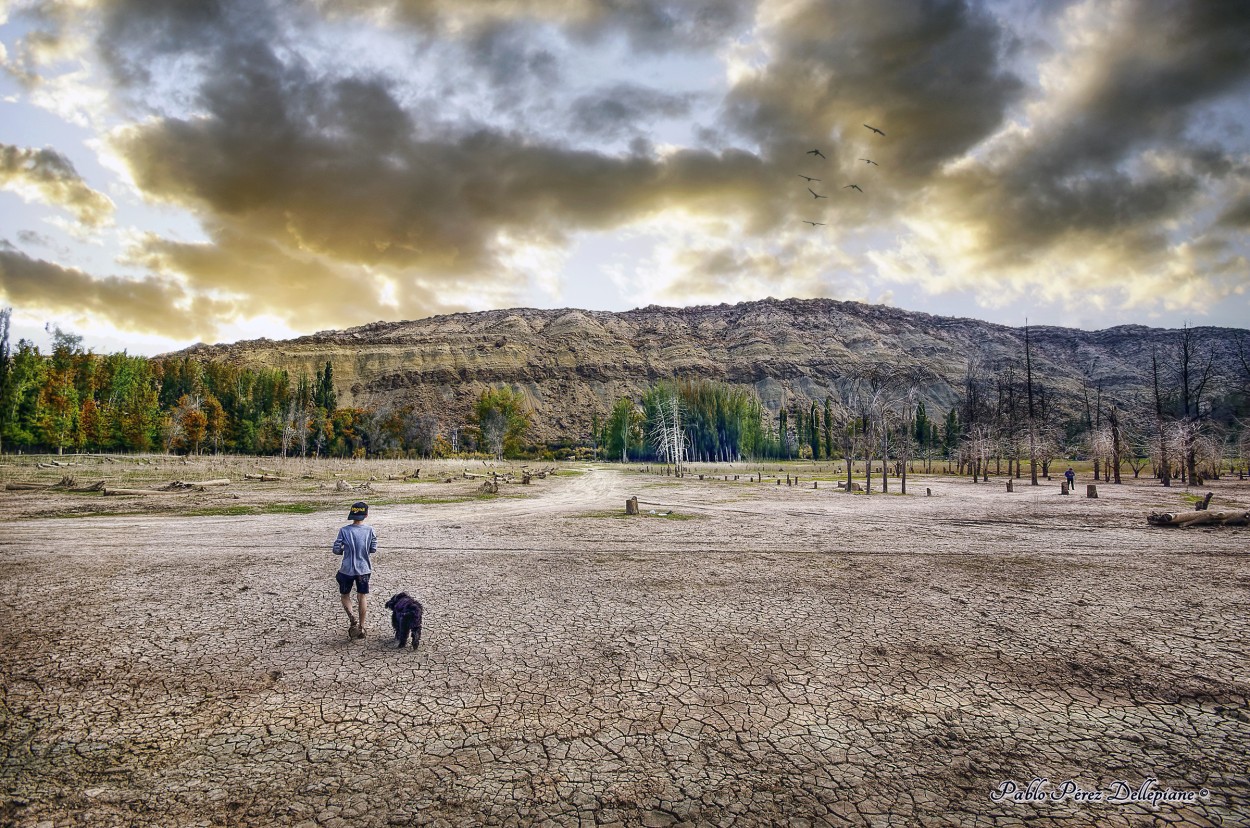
point(424, 500)
point(261, 509)
point(436, 500)
point(621, 514)
point(670, 516)
point(90, 514)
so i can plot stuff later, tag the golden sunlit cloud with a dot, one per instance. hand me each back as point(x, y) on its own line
point(46, 175)
point(149, 305)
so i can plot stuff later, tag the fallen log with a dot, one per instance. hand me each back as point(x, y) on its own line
point(222, 481)
point(97, 486)
point(1236, 517)
point(263, 478)
point(123, 492)
point(27, 487)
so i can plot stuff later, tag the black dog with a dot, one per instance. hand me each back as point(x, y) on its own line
point(406, 615)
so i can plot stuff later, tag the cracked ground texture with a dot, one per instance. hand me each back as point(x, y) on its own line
point(781, 656)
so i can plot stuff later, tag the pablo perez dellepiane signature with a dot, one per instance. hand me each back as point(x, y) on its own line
point(1117, 792)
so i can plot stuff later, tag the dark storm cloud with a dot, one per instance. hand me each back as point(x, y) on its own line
point(135, 32)
point(1236, 216)
point(928, 73)
point(624, 108)
point(1079, 175)
point(1151, 74)
point(146, 305)
point(339, 168)
point(52, 177)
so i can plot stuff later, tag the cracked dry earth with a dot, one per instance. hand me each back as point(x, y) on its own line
point(783, 656)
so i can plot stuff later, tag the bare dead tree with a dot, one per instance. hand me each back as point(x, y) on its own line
point(1161, 466)
point(1117, 442)
point(1028, 370)
point(974, 405)
point(1195, 371)
point(420, 431)
point(667, 436)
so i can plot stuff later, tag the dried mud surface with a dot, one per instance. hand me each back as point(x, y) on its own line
point(765, 655)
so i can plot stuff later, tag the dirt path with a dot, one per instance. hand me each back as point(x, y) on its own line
point(766, 655)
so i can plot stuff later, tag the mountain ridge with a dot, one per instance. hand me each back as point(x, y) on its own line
point(573, 363)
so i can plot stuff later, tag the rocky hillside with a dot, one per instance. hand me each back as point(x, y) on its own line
point(573, 363)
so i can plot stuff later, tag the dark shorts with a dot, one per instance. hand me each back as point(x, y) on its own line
point(346, 581)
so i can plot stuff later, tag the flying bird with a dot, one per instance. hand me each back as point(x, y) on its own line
point(870, 161)
point(814, 193)
point(814, 223)
point(808, 177)
point(852, 187)
point(874, 129)
point(816, 152)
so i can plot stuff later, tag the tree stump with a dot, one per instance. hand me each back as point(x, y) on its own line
point(1206, 501)
point(1063, 488)
point(1091, 490)
point(815, 484)
point(631, 506)
point(1011, 486)
point(928, 492)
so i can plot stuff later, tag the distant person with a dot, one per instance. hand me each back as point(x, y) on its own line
point(356, 542)
point(1070, 476)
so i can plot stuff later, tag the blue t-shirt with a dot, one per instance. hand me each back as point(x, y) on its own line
point(356, 542)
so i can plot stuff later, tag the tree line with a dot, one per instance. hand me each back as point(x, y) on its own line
point(74, 399)
point(1194, 423)
point(1190, 424)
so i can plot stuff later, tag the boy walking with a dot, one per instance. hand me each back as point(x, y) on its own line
point(356, 542)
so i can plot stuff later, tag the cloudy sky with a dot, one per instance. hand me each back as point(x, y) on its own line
point(221, 169)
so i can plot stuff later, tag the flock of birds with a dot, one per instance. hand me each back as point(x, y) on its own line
point(810, 180)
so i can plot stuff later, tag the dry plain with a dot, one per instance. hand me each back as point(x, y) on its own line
point(764, 655)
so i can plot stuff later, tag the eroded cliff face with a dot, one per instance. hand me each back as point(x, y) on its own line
point(572, 364)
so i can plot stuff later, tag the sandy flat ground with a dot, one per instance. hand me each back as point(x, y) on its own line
point(764, 655)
